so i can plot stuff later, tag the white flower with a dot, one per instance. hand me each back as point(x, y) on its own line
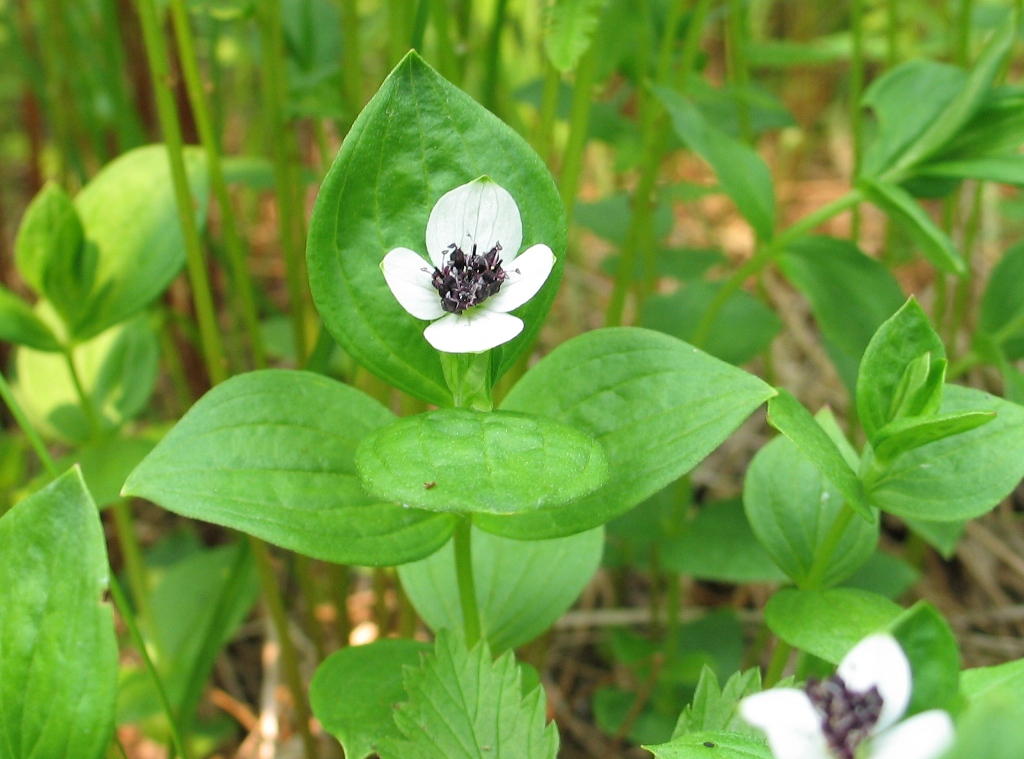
point(475, 275)
point(855, 712)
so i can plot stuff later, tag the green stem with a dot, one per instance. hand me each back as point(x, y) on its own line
point(467, 586)
point(963, 32)
point(492, 59)
point(777, 665)
point(351, 61)
point(962, 287)
point(133, 629)
point(892, 29)
point(823, 556)
point(856, 88)
point(579, 118)
point(738, 63)
point(399, 31)
point(338, 576)
point(131, 551)
point(307, 586)
point(243, 288)
point(92, 416)
point(804, 225)
point(548, 112)
point(289, 210)
point(26, 426)
point(209, 331)
point(289, 658)
point(447, 59)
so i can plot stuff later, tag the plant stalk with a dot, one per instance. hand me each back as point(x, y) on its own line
point(467, 585)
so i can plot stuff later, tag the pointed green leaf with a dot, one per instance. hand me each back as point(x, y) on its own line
point(743, 174)
point(902, 339)
point(902, 435)
point(271, 453)
point(571, 28)
point(419, 137)
point(355, 690)
point(463, 705)
point(497, 462)
point(1005, 169)
point(713, 744)
point(934, 655)
point(20, 325)
point(58, 651)
point(901, 207)
point(715, 707)
point(656, 405)
point(787, 414)
point(522, 587)
point(1002, 306)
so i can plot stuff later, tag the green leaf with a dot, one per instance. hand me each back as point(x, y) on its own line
point(355, 690)
point(118, 369)
point(463, 705)
point(716, 708)
point(743, 327)
point(743, 174)
point(20, 325)
point(995, 131)
point(994, 730)
point(901, 207)
point(942, 536)
point(828, 623)
point(718, 545)
point(919, 392)
point(130, 214)
point(791, 508)
point(271, 453)
point(713, 744)
point(906, 100)
point(787, 414)
point(980, 682)
point(499, 462)
point(656, 405)
point(106, 465)
point(53, 257)
point(959, 477)
point(884, 574)
point(968, 100)
point(1002, 307)
point(1006, 169)
point(903, 338)
point(850, 294)
point(418, 138)
point(571, 28)
point(934, 656)
point(902, 435)
point(522, 587)
point(58, 651)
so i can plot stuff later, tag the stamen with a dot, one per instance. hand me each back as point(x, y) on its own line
point(847, 716)
point(467, 281)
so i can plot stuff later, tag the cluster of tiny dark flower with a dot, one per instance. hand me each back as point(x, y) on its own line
point(467, 281)
point(847, 716)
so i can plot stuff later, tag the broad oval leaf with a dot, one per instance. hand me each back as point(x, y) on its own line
point(712, 744)
point(959, 477)
point(129, 212)
point(496, 462)
point(418, 138)
point(828, 623)
point(355, 690)
point(522, 587)
point(934, 655)
point(657, 406)
point(58, 650)
point(270, 453)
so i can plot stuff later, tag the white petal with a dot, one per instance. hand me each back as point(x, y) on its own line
point(474, 331)
point(924, 736)
point(409, 277)
point(480, 213)
point(526, 276)
point(789, 720)
point(879, 661)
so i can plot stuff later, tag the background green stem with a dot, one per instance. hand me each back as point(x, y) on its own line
point(579, 119)
point(856, 88)
point(467, 586)
point(92, 416)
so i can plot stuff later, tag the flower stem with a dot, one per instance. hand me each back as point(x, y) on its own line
point(492, 59)
point(579, 118)
point(737, 43)
point(780, 658)
point(351, 62)
point(243, 290)
point(823, 556)
point(92, 417)
point(209, 332)
point(548, 113)
point(289, 659)
point(26, 426)
point(856, 88)
point(133, 629)
point(131, 552)
point(467, 586)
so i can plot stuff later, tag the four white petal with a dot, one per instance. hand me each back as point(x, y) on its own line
point(480, 214)
point(794, 727)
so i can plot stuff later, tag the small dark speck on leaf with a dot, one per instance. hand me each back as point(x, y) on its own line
point(429, 485)
point(708, 744)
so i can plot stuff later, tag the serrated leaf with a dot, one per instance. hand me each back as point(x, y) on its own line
point(716, 708)
point(464, 705)
point(656, 405)
point(713, 744)
point(522, 586)
point(58, 650)
point(271, 453)
point(571, 28)
point(355, 690)
point(743, 174)
point(418, 137)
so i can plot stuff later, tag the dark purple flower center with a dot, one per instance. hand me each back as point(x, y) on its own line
point(467, 281)
point(847, 716)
